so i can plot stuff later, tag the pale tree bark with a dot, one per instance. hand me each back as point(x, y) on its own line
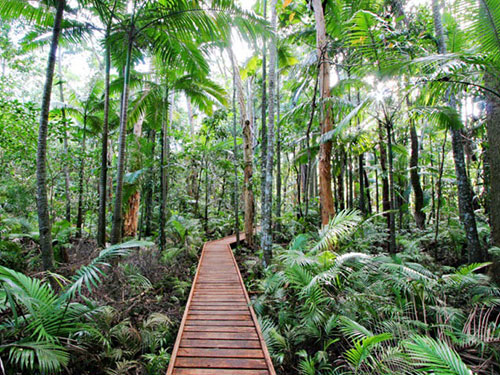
point(41, 156)
point(190, 116)
point(164, 161)
point(392, 196)
point(325, 174)
point(116, 230)
point(67, 195)
point(278, 154)
point(466, 209)
point(263, 148)
point(236, 206)
point(81, 176)
point(131, 218)
point(267, 235)
point(247, 126)
point(148, 210)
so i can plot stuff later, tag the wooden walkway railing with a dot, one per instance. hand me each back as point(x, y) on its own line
point(219, 332)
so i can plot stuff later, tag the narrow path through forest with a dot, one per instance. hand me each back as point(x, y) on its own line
point(219, 332)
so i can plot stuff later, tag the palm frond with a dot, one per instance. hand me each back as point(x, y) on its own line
point(90, 275)
point(435, 356)
point(47, 357)
point(339, 227)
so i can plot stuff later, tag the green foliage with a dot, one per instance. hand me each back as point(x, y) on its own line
point(343, 224)
point(374, 313)
point(435, 357)
point(11, 256)
point(39, 319)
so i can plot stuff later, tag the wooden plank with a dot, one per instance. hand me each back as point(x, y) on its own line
point(189, 328)
point(221, 335)
point(227, 344)
point(243, 363)
point(220, 353)
point(220, 312)
point(220, 317)
point(235, 323)
point(219, 308)
point(221, 298)
point(203, 371)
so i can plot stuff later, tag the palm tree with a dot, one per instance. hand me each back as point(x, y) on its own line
point(45, 16)
point(7, 9)
point(106, 14)
point(174, 32)
point(465, 206)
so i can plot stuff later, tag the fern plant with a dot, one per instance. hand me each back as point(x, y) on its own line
point(39, 319)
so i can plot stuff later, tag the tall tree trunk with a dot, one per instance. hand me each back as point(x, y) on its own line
point(392, 195)
point(362, 204)
point(236, 205)
point(439, 186)
point(267, 235)
point(340, 180)
point(81, 178)
point(148, 200)
point(415, 178)
point(116, 230)
point(246, 121)
point(165, 150)
point(306, 169)
point(386, 199)
point(368, 195)
point(101, 222)
point(377, 199)
point(263, 154)
point(493, 129)
point(67, 194)
point(131, 219)
point(41, 156)
point(222, 193)
point(278, 153)
point(207, 196)
point(190, 116)
point(465, 204)
point(350, 187)
point(325, 174)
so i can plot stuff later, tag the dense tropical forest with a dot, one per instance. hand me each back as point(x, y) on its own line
point(353, 146)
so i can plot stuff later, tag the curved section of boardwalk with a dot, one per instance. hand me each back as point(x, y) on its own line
point(219, 333)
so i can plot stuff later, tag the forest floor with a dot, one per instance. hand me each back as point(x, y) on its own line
point(160, 289)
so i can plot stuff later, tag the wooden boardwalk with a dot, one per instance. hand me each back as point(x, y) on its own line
point(219, 332)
